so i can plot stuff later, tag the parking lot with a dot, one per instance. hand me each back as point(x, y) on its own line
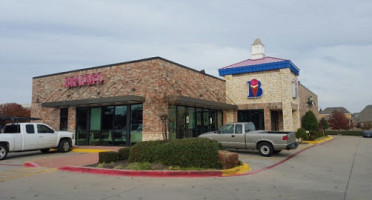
point(339, 169)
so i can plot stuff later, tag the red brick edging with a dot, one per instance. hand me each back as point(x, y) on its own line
point(165, 173)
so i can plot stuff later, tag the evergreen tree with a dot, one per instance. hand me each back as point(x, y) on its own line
point(309, 121)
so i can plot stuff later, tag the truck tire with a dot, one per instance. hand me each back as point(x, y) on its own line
point(3, 151)
point(265, 149)
point(64, 146)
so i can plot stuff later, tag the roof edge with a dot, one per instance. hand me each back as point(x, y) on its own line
point(128, 62)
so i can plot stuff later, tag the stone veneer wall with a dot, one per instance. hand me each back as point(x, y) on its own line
point(304, 94)
point(156, 79)
point(277, 95)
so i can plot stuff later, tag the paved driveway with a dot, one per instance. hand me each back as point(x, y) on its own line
point(340, 169)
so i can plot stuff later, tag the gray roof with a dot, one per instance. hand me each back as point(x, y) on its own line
point(330, 110)
point(366, 114)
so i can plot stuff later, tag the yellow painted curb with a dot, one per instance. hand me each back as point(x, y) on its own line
point(319, 141)
point(236, 170)
point(89, 150)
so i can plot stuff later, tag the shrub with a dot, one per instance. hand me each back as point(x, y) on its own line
point(140, 166)
point(191, 152)
point(108, 157)
point(315, 134)
point(301, 133)
point(147, 151)
point(124, 153)
point(309, 121)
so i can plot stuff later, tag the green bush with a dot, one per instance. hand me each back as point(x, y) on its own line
point(140, 166)
point(315, 134)
point(301, 133)
point(124, 153)
point(147, 151)
point(108, 157)
point(191, 152)
point(353, 133)
point(309, 121)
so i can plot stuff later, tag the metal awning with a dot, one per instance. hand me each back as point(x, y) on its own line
point(200, 103)
point(130, 99)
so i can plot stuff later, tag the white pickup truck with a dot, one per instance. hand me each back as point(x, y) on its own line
point(19, 137)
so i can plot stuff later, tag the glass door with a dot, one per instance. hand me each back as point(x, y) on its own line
point(119, 134)
point(190, 123)
point(181, 122)
point(95, 126)
point(82, 124)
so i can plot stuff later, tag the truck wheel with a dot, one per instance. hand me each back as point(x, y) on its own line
point(265, 149)
point(64, 146)
point(3, 151)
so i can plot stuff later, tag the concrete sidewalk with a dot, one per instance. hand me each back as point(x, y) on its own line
point(79, 156)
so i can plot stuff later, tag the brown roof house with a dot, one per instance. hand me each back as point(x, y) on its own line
point(365, 117)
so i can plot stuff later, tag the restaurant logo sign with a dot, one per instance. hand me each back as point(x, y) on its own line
point(254, 88)
point(83, 80)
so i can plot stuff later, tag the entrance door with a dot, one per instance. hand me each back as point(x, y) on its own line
point(82, 124)
point(95, 126)
point(274, 120)
point(181, 122)
point(190, 121)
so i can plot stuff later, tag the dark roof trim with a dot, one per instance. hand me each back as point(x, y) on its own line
point(18, 119)
point(97, 101)
point(129, 62)
point(260, 68)
point(200, 103)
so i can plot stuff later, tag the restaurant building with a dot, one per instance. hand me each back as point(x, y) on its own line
point(267, 92)
point(124, 103)
point(154, 98)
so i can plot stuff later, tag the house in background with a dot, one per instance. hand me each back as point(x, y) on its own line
point(365, 117)
point(326, 113)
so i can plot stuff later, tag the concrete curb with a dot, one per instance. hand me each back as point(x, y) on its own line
point(160, 173)
point(328, 138)
point(241, 170)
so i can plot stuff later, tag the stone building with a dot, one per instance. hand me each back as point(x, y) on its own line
point(123, 103)
point(154, 98)
point(266, 91)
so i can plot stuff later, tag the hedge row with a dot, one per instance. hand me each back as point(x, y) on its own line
point(112, 156)
point(354, 133)
point(190, 152)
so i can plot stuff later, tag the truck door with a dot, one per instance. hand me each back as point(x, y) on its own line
point(225, 136)
point(29, 137)
point(239, 136)
point(46, 136)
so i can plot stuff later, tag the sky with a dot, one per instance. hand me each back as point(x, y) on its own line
point(329, 40)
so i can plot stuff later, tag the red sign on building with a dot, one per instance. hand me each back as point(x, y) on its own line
point(83, 80)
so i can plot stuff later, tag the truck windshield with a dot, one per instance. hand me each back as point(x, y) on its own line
point(12, 128)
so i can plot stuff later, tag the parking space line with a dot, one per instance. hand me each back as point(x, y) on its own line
point(24, 172)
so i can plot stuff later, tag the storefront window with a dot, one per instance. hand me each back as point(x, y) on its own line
point(120, 125)
point(63, 119)
point(136, 119)
point(255, 116)
point(95, 126)
point(191, 122)
point(82, 126)
point(181, 123)
point(108, 125)
point(172, 116)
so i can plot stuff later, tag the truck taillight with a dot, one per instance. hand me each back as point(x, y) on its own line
point(285, 137)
